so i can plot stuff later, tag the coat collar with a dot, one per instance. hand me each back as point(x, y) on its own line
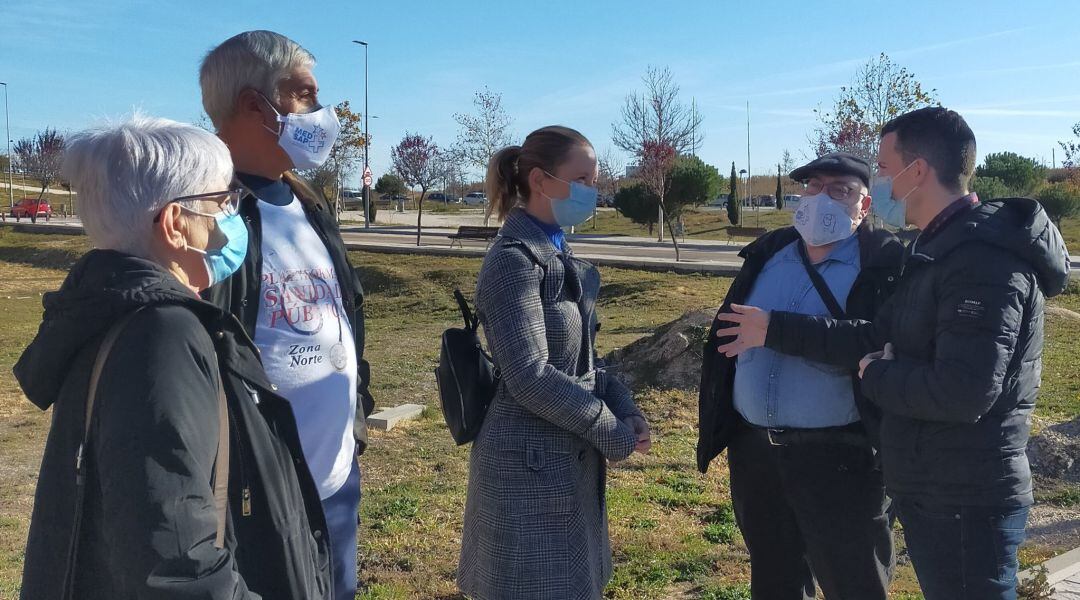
point(877, 247)
point(518, 226)
point(309, 197)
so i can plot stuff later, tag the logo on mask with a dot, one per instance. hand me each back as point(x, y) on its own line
point(314, 139)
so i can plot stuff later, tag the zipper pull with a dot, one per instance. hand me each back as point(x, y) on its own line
point(245, 502)
point(78, 466)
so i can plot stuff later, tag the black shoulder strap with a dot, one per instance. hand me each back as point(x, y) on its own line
point(466, 314)
point(820, 285)
point(220, 475)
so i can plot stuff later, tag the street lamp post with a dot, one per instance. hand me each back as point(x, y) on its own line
point(367, 190)
point(7, 136)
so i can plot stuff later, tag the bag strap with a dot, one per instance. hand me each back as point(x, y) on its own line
point(80, 476)
point(820, 285)
point(471, 320)
point(221, 466)
point(221, 460)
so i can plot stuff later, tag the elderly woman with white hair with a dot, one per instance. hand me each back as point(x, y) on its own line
point(172, 468)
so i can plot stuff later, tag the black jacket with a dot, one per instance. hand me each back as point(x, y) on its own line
point(149, 520)
point(880, 253)
point(239, 294)
point(966, 324)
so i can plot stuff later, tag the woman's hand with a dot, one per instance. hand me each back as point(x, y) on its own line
point(641, 429)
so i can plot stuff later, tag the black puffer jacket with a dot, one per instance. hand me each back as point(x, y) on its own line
point(149, 521)
point(966, 323)
point(880, 253)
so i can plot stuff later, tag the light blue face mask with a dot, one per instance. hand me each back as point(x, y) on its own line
point(575, 208)
point(885, 206)
point(224, 261)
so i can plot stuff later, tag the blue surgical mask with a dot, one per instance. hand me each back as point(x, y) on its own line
point(224, 261)
point(885, 206)
point(576, 207)
point(820, 220)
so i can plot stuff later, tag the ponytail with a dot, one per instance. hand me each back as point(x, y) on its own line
point(507, 181)
point(501, 185)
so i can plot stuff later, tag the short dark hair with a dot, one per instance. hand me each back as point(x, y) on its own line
point(939, 136)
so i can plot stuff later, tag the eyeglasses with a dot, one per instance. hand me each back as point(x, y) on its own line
point(842, 192)
point(228, 203)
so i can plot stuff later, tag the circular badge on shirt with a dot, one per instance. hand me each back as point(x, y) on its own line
point(338, 356)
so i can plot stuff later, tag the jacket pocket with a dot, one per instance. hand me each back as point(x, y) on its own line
point(545, 481)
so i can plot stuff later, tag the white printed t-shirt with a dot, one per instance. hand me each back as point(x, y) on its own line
point(307, 342)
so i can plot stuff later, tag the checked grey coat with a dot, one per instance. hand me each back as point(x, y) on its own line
point(535, 516)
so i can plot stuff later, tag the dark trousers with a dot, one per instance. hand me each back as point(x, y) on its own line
point(963, 552)
point(342, 521)
point(811, 510)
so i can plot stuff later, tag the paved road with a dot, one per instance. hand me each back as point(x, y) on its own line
point(697, 256)
point(717, 252)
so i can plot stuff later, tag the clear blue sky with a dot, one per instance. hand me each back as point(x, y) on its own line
point(1011, 68)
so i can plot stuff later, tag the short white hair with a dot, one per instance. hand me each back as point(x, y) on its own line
point(126, 172)
point(257, 60)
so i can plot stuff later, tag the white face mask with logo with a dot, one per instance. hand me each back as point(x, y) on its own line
point(820, 220)
point(307, 137)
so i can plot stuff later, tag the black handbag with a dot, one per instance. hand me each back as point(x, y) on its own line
point(466, 376)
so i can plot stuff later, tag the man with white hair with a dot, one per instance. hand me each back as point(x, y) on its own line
point(296, 293)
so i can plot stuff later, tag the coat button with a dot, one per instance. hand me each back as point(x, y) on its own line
point(220, 335)
point(273, 386)
point(317, 534)
point(243, 302)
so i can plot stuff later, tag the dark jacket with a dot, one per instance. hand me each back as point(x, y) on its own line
point(880, 254)
point(239, 294)
point(149, 520)
point(966, 324)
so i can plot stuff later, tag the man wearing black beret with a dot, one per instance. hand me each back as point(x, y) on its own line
point(805, 484)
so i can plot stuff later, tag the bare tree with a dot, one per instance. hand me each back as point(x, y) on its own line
point(657, 115)
point(787, 163)
point(450, 171)
point(609, 168)
point(41, 157)
point(416, 159)
point(657, 161)
point(657, 118)
point(484, 133)
point(880, 91)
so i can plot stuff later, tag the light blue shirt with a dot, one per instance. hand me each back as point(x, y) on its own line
point(777, 390)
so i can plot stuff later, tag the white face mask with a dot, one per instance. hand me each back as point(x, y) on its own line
point(307, 137)
point(820, 220)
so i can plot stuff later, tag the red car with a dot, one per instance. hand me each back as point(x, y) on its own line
point(29, 206)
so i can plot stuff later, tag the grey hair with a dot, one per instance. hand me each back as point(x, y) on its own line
point(126, 172)
point(256, 60)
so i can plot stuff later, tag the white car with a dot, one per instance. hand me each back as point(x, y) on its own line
point(475, 199)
